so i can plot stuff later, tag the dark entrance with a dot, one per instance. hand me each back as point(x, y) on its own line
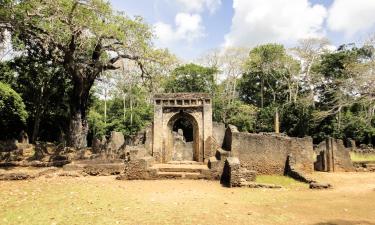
point(186, 127)
point(183, 144)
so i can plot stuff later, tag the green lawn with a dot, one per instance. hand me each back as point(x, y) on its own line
point(279, 180)
point(357, 157)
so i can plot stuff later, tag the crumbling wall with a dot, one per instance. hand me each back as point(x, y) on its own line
point(332, 156)
point(233, 175)
point(268, 153)
point(218, 132)
point(227, 145)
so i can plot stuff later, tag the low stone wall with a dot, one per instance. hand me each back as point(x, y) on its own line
point(233, 175)
point(268, 153)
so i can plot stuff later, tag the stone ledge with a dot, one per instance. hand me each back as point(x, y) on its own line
point(258, 185)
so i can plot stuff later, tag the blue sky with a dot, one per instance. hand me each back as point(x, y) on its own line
point(189, 28)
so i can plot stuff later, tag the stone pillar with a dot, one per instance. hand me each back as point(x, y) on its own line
point(157, 142)
point(330, 145)
point(207, 129)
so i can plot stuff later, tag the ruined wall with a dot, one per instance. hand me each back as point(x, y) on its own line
point(268, 153)
point(218, 132)
point(332, 156)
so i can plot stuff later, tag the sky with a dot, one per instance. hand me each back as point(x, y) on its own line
point(189, 28)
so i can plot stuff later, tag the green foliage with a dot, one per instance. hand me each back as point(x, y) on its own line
point(269, 69)
point(356, 127)
point(12, 112)
point(243, 116)
point(96, 124)
point(135, 116)
point(296, 118)
point(191, 78)
point(7, 73)
point(265, 119)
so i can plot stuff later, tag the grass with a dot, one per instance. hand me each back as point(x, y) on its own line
point(104, 200)
point(358, 157)
point(279, 180)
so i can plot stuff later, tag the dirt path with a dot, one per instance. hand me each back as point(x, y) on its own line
point(104, 200)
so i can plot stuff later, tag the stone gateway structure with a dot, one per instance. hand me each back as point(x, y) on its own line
point(182, 126)
point(183, 142)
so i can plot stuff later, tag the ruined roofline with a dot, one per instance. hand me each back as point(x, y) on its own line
point(185, 95)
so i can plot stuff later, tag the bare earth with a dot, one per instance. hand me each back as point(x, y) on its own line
point(104, 200)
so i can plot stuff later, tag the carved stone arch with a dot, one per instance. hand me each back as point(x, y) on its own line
point(195, 130)
point(168, 108)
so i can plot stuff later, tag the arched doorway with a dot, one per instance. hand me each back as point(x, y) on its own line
point(183, 138)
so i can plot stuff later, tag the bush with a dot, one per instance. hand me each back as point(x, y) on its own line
point(13, 114)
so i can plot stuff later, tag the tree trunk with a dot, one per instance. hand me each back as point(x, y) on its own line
point(38, 115)
point(124, 102)
point(78, 127)
point(277, 123)
point(261, 93)
point(36, 127)
point(78, 130)
point(105, 107)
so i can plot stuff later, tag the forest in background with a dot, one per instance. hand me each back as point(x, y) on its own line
point(74, 78)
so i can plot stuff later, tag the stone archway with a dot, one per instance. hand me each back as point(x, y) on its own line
point(173, 108)
point(183, 138)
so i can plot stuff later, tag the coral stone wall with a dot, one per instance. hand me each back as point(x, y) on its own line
point(268, 153)
point(218, 132)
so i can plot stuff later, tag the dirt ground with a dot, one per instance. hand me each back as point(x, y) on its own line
point(104, 200)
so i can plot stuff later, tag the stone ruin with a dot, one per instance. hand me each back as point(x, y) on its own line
point(184, 143)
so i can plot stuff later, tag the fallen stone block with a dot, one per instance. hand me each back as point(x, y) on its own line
point(258, 185)
point(15, 176)
point(316, 185)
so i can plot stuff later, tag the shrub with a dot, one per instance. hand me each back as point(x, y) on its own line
point(13, 114)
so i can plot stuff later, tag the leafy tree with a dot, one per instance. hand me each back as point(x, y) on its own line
point(265, 119)
point(78, 36)
point(192, 78)
point(45, 90)
point(296, 118)
point(268, 76)
point(12, 112)
point(243, 116)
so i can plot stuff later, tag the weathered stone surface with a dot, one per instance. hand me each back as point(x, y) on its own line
point(97, 167)
point(210, 148)
point(315, 185)
point(333, 156)
point(218, 132)
point(196, 108)
point(267, 153)
point(233, 175)
point(15, 176)
point(24, 174)
point(293, 172)
point(116, 141)
point(138, 169)
point(258, 185)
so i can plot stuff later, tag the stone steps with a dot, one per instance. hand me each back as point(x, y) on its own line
point(184, 163)
point(180, 171)
point(178, 175)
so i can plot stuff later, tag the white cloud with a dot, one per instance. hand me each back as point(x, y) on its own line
point(351, 16)
point(188, 27)
point(259, 21)
point(200, 5)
